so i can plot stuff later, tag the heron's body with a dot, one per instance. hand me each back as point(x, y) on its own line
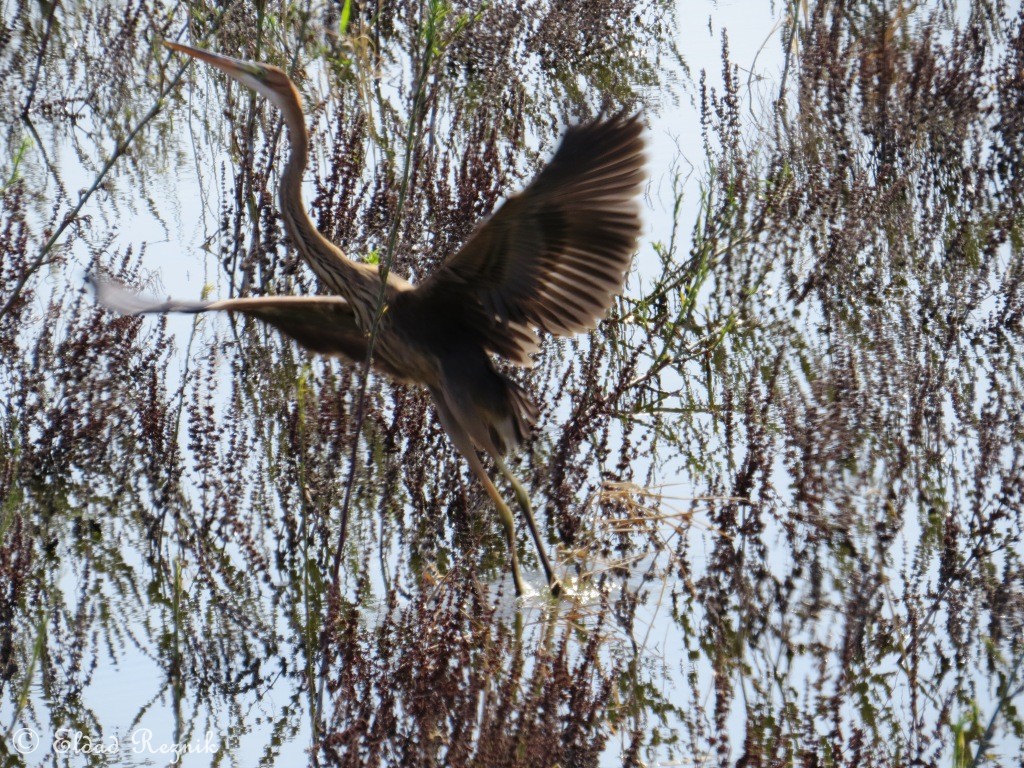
point(551, 258)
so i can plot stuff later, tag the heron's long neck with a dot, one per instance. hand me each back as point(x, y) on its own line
point(357, 283)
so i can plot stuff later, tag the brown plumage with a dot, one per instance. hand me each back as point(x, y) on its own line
point(551, 258)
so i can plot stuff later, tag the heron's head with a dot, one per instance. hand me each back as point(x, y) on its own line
point(265, 79)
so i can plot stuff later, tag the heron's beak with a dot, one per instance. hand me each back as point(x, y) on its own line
point(235, 68)
point(266, 79)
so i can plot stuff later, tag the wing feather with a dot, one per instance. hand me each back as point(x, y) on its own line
point(324, 324)
point(555, 256)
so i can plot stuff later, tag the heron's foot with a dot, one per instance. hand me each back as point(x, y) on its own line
point(555, 586)
point(517, 576)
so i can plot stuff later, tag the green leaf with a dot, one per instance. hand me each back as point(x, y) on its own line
point(346, 14)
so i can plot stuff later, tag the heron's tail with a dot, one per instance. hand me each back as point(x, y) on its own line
point(524, 413)
point(496, 412)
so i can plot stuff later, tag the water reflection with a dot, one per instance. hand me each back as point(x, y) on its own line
point(821, 366)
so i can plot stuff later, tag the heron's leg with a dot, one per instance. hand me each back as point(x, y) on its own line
point(464, 445)
point(507, 520)
point(524, 502)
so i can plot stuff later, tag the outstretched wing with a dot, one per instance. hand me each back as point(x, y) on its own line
point(324, 324)
point(554, 256)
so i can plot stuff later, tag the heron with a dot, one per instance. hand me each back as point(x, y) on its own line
point(551, 258)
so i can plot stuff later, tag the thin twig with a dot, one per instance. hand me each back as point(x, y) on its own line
point(334, 595)
point(43, 257)
point(26, 118)
point(39, 61)
point(1005, 695)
